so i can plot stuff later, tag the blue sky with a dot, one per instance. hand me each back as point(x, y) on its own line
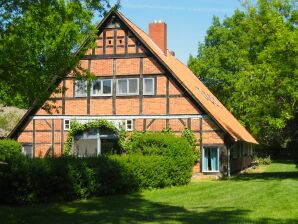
point(187, 20)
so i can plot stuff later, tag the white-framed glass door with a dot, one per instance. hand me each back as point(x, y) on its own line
point(210, 159)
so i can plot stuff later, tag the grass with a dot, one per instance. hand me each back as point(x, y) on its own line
point(268, 195)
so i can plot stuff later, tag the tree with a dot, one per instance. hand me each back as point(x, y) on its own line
point(40, 40)
point(250, 61)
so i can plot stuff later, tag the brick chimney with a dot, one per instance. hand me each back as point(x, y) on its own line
point(158, 33)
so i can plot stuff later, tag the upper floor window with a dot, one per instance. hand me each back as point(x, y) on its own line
point(80, 88)
point(148, 85)
point(101, 87)
point(129, 86)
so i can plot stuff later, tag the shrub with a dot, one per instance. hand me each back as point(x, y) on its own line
point(9, 148)
point(177, 153)
point(153, 160)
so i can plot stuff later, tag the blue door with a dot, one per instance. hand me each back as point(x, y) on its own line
point(210, 159)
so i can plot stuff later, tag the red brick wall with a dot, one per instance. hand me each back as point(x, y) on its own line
point(179, 103)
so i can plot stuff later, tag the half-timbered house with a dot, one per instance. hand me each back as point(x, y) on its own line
point(142, 86)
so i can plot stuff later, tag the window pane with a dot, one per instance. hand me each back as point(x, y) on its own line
point(133, 85)
point(96, 87)
point(28, 151)
point(107, 86)
point(81, 87)
point(148, 86)
point(122, 86)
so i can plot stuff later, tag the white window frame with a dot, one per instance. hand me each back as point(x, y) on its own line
point(127, 83)
point(126, 125)
point(101, 88)
point(153, 87)
point(65, 125)
point(76, 87)
point(218, 161)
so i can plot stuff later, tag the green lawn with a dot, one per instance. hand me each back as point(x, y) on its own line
point(267, 196)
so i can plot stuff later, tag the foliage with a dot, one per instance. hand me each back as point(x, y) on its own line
point(178, 154)
point(266, 195)
point(190, 137)
point(25, 180)
point(250, 61)
point(9, 148)
point(78, 128)
point(157, 143)
point(265, 160)
point(41, 40)
point(152, 160)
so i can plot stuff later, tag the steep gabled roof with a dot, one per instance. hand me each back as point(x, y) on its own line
point(195, 87)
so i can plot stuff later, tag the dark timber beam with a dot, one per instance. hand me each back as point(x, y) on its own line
point(88, 88)
point(53, 137)
point(144, 125)
point(201, 134)
point(33, 138)
point(62, 136)
point(104, 43)
point(150, 123)
point(63, 96)
point(168, 101)
point(114, 87)
point(48, 123)
point(141, 87)
point(182, 122)
point(112, 56)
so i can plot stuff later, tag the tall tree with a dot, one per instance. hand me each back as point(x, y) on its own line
point(40, 40)
point(250, 61)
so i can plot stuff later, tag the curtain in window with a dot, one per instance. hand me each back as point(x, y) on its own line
point(214, 160)
point(205, 160)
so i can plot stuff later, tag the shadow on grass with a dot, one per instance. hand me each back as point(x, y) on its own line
point(126, 209)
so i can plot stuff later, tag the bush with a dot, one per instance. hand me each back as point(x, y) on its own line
point(262, 160)
point(153, 160)
point(177, 153)
point(9, 148)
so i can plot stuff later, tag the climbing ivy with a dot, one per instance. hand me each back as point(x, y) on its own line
point(78, 128)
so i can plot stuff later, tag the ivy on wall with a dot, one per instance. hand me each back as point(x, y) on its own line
point(78, 128)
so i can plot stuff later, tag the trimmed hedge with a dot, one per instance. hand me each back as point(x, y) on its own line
point(153, 160)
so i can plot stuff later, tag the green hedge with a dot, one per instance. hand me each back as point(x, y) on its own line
point(152, 160)
point(9, 148)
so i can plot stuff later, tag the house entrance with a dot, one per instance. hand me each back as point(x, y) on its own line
point(210, 159)
point(94, 142)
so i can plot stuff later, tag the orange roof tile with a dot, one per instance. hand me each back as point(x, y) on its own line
point(196, 88)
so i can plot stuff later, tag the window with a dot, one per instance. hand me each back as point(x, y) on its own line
point(80, 88)
point(148, 85)
point(101, 87)
point(129, 125)
point(66, 124)
point(128, 86)
point(27, 150)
